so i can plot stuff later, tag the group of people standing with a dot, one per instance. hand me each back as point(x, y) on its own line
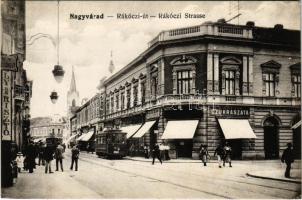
point(223, 153)
point(46, 153)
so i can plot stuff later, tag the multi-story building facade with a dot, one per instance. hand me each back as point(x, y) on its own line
point(16, 89)
point(86, 120)
point(204, 85)
point(210, 83)
point(44, 127)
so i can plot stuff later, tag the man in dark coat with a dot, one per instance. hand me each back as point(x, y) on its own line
point(288, 158)
point(74, 157)
point(30, 157)
point(59, 156)
point(156, 154)
point(48, 157)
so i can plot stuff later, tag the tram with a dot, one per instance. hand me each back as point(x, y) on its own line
point(53, 141)
point(111, 144)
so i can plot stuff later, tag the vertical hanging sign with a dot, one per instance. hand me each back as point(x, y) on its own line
point(6, 110)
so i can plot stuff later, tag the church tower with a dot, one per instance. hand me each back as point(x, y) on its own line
point(72, 96)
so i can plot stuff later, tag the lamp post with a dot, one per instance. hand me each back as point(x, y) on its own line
point(58, 71)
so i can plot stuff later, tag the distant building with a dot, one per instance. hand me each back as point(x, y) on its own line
point(43, 127)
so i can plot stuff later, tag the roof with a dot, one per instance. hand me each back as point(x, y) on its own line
point(273, 36)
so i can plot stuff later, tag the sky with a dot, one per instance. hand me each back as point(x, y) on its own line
point(86, 44)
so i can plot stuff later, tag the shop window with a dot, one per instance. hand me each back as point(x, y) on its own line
point(184, 82)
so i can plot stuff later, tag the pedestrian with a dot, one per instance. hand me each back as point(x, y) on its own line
point(220, 154)
point(30, 157)
point(146, 151)
point(20, 161)
point(64, 147)
point(40, 154)
point(74, 157)
point(59, 157)
point(227, 154)
point(288, 158)
point(156, 154)
point(88, 148)
point(48, 157)
point(204, 154)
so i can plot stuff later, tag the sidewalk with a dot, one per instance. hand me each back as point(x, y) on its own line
point(276, 173)
point(51, 186)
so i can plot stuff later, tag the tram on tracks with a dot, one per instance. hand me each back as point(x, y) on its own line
point(111, 143)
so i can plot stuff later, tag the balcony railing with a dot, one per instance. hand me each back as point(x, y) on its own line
point(215, 29)
point(167, 100)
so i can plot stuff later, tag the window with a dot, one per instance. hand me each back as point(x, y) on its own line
point(122, 100)
point(58, 131)
point(230, 82)
point(143, 92)
point(112, 104)
point(108, 105)
point(128, 97)
point(117, 101)
point(296, 80)
point(269, 82)
point(184, 82)
point(135, 95)
point(154, 83)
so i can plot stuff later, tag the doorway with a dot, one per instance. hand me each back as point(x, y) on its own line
point(271, 138)
point(236, 146)
point(184, 148)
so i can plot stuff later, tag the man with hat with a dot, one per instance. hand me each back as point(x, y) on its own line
point(288, 158)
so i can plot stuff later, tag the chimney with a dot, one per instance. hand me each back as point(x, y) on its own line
point(278, 27)
point(221, 21)
point(250, 24)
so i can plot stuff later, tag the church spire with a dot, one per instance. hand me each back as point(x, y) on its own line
point(73, 87)
point(111, 65)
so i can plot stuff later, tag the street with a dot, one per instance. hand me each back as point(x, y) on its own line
point(101, 178)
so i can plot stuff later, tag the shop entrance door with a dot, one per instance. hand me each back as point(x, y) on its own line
point(184, 148)
point(271, 138)
point(236, 146)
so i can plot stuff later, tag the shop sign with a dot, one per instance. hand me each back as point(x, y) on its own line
point(6, 111)
point(230, 111)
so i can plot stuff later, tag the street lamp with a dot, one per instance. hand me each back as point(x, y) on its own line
point(54, 97)
point(58, 71)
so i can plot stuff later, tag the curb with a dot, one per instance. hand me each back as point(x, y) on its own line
point(270, 178)
point(164, 161)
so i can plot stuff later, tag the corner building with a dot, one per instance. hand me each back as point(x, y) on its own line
point(210, 83)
